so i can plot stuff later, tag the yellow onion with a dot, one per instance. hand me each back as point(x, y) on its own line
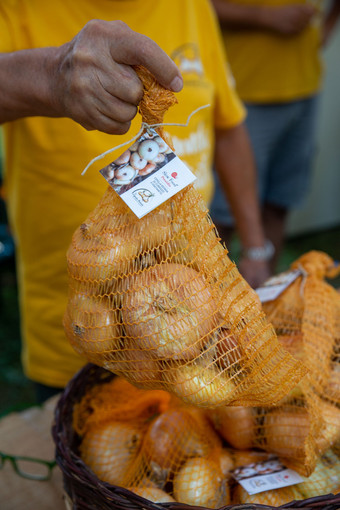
point(237, 425)
point(273, 498)
point(92, 327)
point(197, 385)
point(110, 451)
point(286, 431)
point(293, 343)
point(330, 433)
point(174, 436)
point(226, 347)
point(325, 478)
point(201, 483)
point(226, 462)
point(135, 365)
point(169, 309)
point(152, 494)
point(244, 457)
point(332, 388)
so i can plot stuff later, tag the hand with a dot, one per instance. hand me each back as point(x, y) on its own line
point(253, 271)
point(290, 19)
point(94, 83)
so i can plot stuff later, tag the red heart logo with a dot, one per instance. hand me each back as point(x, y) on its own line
point(174, 175)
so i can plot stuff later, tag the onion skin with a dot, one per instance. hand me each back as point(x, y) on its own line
point(200, 386)
point(244, 457)
point(135, 365)
point(92, 327)
point(200, 483)
point(325, 479)
point(237, 425)
point(286, 431)
point(275, 497)
point(169, 309)
point(226, 462)
point(110, 451)
point(174, 436)
point(152, 494)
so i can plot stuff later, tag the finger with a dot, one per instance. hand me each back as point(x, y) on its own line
point(118, 104)
point(105, 124)
point(122, 82)
point(141, 50)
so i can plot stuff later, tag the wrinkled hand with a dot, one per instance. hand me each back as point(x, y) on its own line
point(95, 84)
point(253, 271)
point(289, 19)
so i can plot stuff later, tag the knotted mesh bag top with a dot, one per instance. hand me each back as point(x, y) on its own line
point(158, 301)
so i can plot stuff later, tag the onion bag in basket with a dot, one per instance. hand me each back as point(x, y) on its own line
point(158, 301)
point(154, 445)
point(306, 319)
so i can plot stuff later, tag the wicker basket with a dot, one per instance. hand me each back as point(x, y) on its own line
point(87, 492)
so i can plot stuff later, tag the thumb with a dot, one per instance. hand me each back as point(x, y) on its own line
point(141, 50)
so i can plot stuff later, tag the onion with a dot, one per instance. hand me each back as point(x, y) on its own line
point(227, 350)
point(107, 243)
point(135, 365)
point(110, 451)
point(226, 462)
point(332, 388)
point(200, 386)
point(173, 437)
point(286, 431)
point(244, 457)
point(169, 308)
point(237, 425)
point(271, 498)
point(331, 431)
point(200, 483)
point(325, 478)
point(293, 343)
point(92, 327)
point(152, 494)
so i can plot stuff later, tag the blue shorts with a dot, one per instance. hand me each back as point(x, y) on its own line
point(283, 141)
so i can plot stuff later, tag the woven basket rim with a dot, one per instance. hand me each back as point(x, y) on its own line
point(88, 492)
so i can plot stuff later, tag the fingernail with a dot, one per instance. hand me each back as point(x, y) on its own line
point(177, 84)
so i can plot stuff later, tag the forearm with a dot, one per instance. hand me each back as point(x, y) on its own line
point(331, 19)
point(236, 168)
point(26, 79)
point(238, 16)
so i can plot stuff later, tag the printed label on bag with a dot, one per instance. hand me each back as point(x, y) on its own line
point(273, 287)
point(147, 174)
point(265, 476)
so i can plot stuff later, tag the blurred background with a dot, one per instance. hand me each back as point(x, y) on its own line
point(314, 227)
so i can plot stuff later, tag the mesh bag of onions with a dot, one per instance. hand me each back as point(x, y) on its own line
point(306, 422)
point(158, 301)
point(152, 444)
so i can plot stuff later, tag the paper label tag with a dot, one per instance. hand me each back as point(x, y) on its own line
point(147, 174)
point(273, 287)
point(265, 476)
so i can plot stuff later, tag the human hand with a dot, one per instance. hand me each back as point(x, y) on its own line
point(255, 272)
point(94, 83)
point(289, 19)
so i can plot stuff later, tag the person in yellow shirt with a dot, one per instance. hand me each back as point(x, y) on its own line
point(273, 49)
point(68, 89)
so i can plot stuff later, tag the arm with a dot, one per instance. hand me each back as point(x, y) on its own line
point(236, 168)
point(285, 20)
point(330, 21)
point(89, 79)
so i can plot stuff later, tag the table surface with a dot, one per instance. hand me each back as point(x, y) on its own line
point(28, 433)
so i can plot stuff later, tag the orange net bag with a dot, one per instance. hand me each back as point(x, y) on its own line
point(152, 444)
point(306, 320)
point(157, 447)
point(158, 301)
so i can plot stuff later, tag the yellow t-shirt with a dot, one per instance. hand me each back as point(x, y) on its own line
point(47, 196)
point(269, 67)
